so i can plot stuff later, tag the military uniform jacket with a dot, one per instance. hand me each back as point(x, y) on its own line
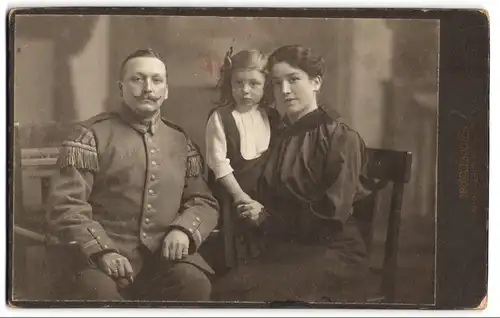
point(123, 184)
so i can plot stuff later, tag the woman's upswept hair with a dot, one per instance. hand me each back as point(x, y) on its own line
point(299, 57)
point(243, 60)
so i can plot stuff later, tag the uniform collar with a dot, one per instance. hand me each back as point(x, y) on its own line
point(140, 124)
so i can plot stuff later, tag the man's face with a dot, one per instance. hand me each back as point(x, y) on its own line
point(144, 85)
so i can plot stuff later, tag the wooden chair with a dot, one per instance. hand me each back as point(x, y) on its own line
point(33, 276)
point(386, 166)
point(389, 166)
point(25, 241)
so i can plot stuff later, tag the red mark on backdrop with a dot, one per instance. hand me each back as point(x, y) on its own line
point(209, 66)
point(212, 67)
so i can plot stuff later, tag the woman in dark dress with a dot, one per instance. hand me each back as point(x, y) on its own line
point(308, 186)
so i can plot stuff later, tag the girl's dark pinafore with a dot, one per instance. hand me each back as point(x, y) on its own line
point(247, 173)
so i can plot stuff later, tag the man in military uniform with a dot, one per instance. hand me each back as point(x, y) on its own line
point(130, 194)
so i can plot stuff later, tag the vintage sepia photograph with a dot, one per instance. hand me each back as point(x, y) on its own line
point(224, 159)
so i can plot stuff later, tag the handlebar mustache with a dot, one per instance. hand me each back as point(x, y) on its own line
point(148, 97)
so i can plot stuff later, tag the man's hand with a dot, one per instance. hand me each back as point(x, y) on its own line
point(116, 266)
point(175, 245)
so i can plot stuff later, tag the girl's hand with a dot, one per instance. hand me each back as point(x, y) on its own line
point(244, 199)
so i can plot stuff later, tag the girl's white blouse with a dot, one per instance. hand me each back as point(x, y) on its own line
point(255, 135)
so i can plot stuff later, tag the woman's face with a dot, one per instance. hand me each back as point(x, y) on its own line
point(293, 89)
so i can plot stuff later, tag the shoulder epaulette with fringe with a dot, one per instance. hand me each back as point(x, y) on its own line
point(194, 159)
point(80, 149)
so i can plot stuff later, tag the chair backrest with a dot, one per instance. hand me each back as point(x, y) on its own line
point(18, 207)
point(391, 165)
point(387, 166)
point(37, 164)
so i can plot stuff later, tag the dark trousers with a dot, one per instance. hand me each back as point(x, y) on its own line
point(159, 279)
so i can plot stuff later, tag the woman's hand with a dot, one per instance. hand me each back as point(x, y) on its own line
point(251, 210)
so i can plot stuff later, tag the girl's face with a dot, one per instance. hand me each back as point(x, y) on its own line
point(293, 89)
point(247, 87)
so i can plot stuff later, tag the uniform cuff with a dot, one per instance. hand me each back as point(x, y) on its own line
point(190, 224)
point(99, 242)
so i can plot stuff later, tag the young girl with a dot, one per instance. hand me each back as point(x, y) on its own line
point(239, 132)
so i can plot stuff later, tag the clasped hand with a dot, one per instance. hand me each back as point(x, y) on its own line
point(251, 210)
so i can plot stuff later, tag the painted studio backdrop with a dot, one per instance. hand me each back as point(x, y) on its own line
point(382, 76)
